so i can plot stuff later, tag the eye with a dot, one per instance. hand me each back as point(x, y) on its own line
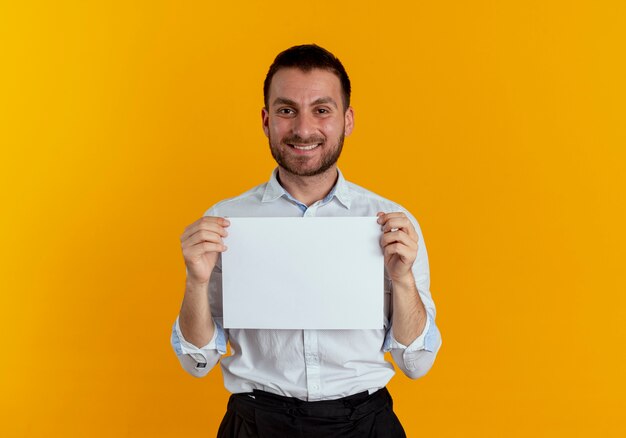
point(323, 111)
point(285, 111)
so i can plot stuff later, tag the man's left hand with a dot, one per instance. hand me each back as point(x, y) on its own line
point(399, 244)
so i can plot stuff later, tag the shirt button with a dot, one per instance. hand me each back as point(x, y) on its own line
point(315, 387)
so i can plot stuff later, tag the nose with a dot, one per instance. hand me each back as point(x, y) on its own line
point(304, 125)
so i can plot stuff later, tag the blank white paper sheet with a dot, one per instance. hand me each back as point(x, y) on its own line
point(303, 273)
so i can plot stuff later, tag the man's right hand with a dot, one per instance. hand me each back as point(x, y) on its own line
point(202, 243)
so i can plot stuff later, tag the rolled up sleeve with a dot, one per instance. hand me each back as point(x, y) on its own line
point(198, 361)
point(416, 359)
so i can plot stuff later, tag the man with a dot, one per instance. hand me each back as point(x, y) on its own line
point(308, 383)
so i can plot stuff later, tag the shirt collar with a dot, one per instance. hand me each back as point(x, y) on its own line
point(341, 191)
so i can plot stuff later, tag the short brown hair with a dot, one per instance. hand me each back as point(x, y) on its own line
point(306, 58)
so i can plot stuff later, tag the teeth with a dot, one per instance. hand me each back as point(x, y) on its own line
point(305, 148)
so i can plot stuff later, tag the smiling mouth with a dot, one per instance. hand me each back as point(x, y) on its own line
point(304, 147)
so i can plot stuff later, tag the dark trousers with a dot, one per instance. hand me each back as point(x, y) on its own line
point(274, 416)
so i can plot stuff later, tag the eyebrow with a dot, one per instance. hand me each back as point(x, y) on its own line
point(319, 101)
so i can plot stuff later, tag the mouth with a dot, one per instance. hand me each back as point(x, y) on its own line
point(303, 147)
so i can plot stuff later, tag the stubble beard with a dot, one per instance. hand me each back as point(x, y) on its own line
point(295, 164)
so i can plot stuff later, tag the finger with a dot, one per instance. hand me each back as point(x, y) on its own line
point(397, 220)
point(206, 222)
point(398, 237)
point(206, 228)
point(385, 216)
point(223, 222)
point(402, 224)
point(406, 255)
point(202, 236)
point(203, 248)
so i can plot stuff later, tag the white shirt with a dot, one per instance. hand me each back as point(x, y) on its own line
point(311, 364)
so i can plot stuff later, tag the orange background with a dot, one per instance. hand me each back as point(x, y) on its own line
point(500, 125)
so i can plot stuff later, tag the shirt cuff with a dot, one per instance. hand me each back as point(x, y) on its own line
point(182, 346)
point(425, 341)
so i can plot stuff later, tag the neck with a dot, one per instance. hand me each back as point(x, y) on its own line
point(308, 189)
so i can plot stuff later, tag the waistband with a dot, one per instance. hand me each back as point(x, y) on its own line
point(351, 407)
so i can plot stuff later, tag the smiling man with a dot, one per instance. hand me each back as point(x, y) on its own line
point(308, 383)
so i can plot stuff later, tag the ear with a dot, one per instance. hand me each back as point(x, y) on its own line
point(349, 121)
point(265, 117)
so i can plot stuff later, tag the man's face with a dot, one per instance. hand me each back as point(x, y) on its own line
point(305, 121)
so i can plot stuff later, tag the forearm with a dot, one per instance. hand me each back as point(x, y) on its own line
point(195, 320)
point(409, 313)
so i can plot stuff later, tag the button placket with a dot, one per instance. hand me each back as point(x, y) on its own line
point(312, 364)
point(311, 345)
